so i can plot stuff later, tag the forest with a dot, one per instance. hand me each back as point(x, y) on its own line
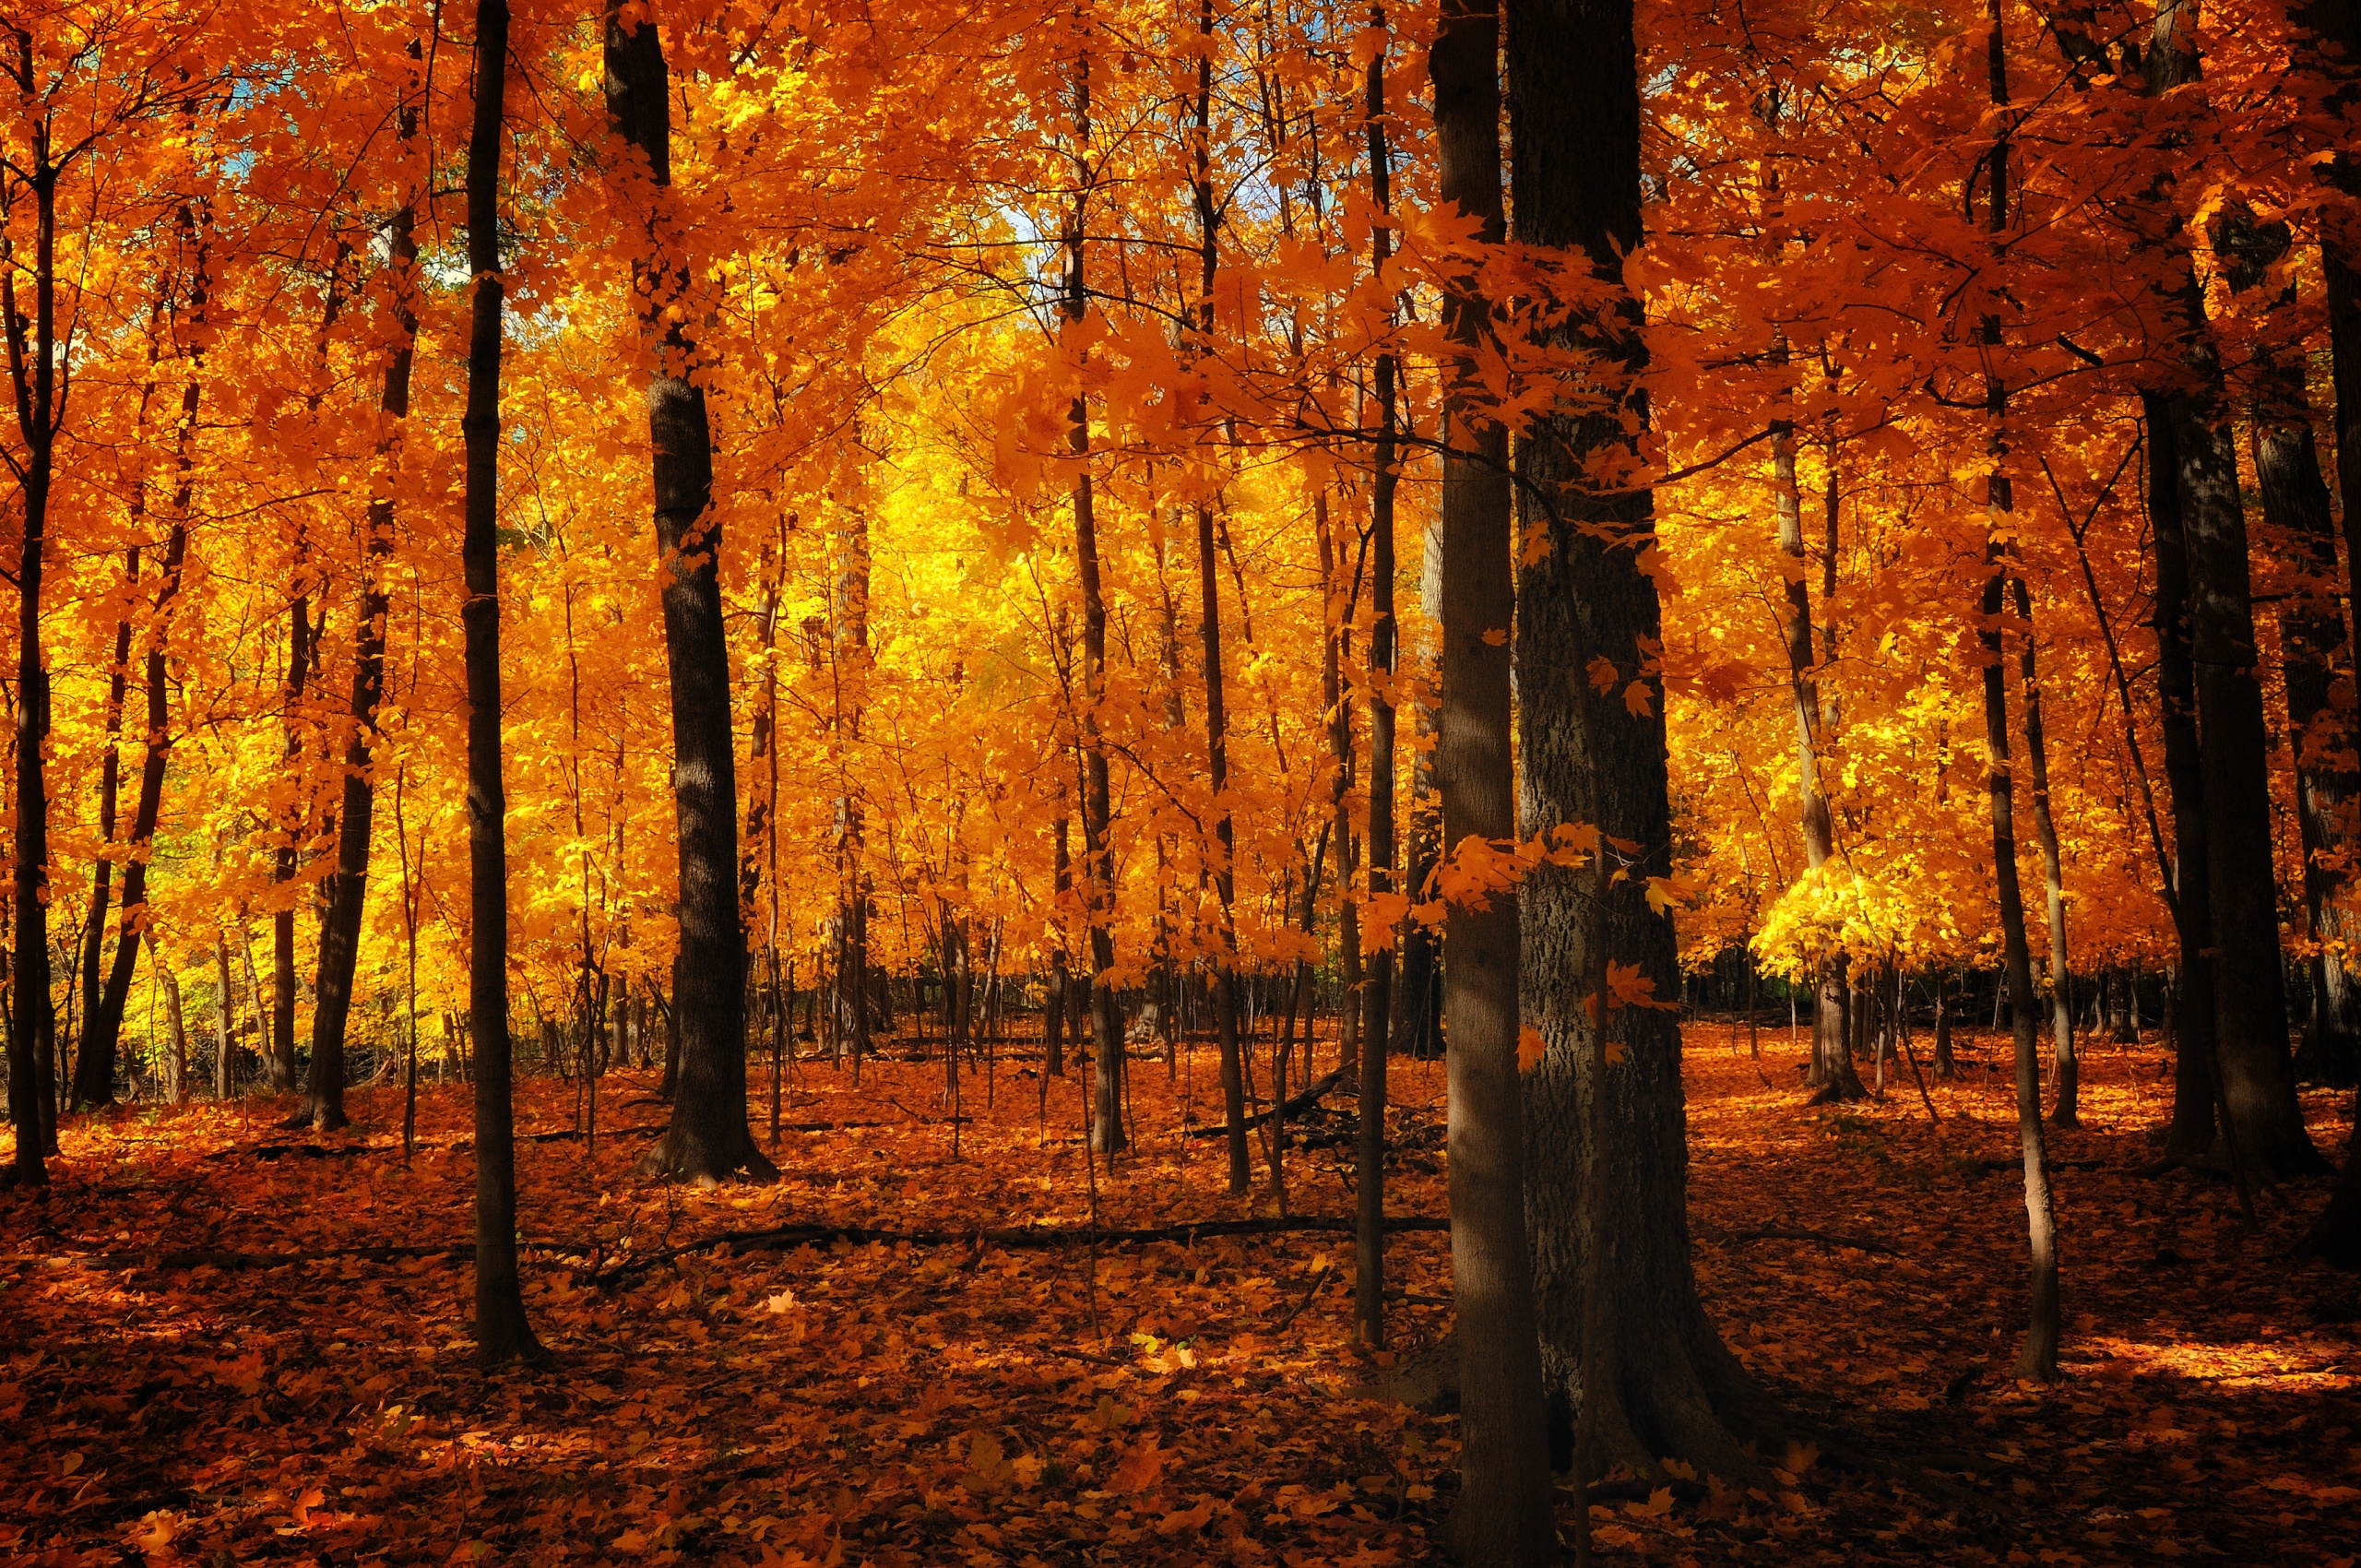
point(1700, 655)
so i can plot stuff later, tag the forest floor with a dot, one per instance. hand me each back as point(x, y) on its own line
point(174, 1395)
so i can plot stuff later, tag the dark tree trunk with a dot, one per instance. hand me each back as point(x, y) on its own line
point(280, 1054)
point(33, 367)
point(708, 1138)
point(1098, 849)
point(502, 1333)
point(1504, 1514)
point(94, 1067)
point(2190, 1135)
point(1053, 1005)
point(94, 922)
point(2258, 1079)
point(1606, 1158)
point(102, 1023)
point(1377, 1031)
point(348, 891)
point(2316, 659)
point(2061, 986)
point(2038, 1360)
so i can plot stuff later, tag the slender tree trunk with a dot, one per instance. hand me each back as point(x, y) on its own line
point(176, 1064)
point(1098, 850)
point(225, 1034)
point(1504, 1516)
point(2044, 826)
point(1053, 1006)
point(94, 923)
point(348, 893)
point(280, 1054)
point(2038, 1360)
point(94, 1068)
point(708, 1138)
point(1377, 1032)
point(502, 1333)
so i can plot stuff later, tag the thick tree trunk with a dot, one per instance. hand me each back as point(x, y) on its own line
point(708, 1138)
point(2192, 1132)
point(2258, 1080)
point(1660, 1384)
point(502, 1333)
point(2061, 988)
point(1504, 1514)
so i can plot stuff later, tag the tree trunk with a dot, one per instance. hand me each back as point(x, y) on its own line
point(176, 1064)
point(347, 896)
point(2192, 1132)
point(2044, 826)
point(1504, 1514)
point(33, 371)
point(708, 1136)
point(94, 1068)
point(1605, 1161)
point(94, 922)
point(2258, 1082)
point(1377, 1031)
point(502, 1333)
point(1097, 850)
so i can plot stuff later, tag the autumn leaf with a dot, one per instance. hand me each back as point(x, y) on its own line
point(1140, 1469)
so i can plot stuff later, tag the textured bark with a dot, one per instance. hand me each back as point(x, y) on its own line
point(1610, 1215)
point(502, 1333)
point(1504, 1516)
point(710, 1138)
point(278, 1052)
point(2044, 826)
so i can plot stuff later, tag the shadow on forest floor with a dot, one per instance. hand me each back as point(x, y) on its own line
point(1172, 1402)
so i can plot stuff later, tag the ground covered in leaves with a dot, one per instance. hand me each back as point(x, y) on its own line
point(178, 1393)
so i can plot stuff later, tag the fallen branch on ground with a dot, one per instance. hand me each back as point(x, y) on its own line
point(1296, 1105)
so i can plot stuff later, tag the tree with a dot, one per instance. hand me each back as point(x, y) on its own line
point(708, 1138)
point(1605, 1141)
point(502, 1333)
point(1503, 1514)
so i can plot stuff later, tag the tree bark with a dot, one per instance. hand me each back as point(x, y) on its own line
point(502, 1333)
point(1369, 1164)
point(2061, 990)
point(348, 891)
point(1504, 1514)
point(33, 369)
point(710, 1138)
point(1097, 850)
point(1606, 1157)
point(111, 769)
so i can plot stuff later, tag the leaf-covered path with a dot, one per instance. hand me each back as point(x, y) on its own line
point(1172, 1402)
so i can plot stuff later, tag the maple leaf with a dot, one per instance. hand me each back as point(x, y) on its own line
point(1140, 1469)
point(1530, 1047)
